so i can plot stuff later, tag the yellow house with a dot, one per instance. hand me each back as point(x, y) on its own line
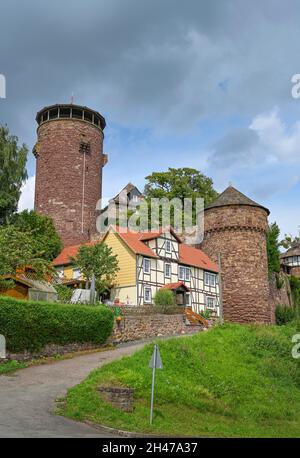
point(149, 261)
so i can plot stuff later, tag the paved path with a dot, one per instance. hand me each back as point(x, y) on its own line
point(27, 397)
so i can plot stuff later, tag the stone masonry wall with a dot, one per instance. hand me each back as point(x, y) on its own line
point(144, 326)
point(295, 271)
point(59, 177)
point(239, 234)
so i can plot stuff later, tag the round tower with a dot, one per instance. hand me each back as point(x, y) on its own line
point(236, 227)
point(69, 160)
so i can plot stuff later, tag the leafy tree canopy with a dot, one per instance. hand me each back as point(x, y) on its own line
point(12, 173)
point(99, 260)
point(181, 183)
point(17, 249)
point(273, 248)
point(47, 243)
point(289, 241)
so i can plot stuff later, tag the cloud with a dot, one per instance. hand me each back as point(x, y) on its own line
point(27, 195)
point(267, 139)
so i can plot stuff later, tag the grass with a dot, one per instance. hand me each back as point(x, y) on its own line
point(11, 366)
point(231, 381)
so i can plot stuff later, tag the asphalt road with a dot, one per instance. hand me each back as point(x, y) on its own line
point(27, 398)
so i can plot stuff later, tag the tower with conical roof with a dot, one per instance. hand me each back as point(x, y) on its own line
point(236, 227)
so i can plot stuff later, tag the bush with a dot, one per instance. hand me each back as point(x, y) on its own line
point(164, 301)
point(284, 314)
point(64, 293)
point(205, 313)
point(30, 326)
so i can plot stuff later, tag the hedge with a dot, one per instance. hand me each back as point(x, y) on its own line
point(29, 325)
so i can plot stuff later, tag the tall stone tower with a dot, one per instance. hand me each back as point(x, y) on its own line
point(69, 160)
point(236, 226)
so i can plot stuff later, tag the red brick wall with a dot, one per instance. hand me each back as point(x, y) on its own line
point(59, 177)
point(295, 271)
point(239, 234)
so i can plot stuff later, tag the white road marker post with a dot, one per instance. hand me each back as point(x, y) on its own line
point(155, 362)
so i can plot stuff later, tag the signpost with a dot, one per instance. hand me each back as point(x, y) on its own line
point(155, 363)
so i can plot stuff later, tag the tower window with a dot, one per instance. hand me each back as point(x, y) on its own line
point(76, 113)
point(64, 113)
point(88, 116)
point(53, 114)
point(85, 147)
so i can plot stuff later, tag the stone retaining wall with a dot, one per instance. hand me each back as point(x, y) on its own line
point(52, 350)
point(141, 327)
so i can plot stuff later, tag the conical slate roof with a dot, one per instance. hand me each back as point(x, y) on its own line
point(232, 196)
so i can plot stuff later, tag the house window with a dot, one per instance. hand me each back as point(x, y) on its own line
point(210, 302)
point(76, 274)
point(187, 299)
point(184, 273)
point(187, 274)
point(147, 265)
point(209, 279)
point(168, 270)
point(181, 273)
point(168, 246)
point(148, 295)
point(60, 272)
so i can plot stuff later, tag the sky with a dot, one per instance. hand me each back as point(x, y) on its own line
point(203, 84)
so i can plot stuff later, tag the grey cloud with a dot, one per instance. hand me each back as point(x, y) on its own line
point(149, 64)
point(237, 147)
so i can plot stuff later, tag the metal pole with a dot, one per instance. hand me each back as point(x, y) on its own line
point(220, 288)
point(153, 381)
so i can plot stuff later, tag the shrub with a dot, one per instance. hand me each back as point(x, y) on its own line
point(64, 293)
point(284, 314)
point(164, 301)
point(205, 313)
point(30, 326)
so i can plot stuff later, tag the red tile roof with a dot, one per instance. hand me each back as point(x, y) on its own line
point(175, 285)
point(68, 252)
point(196, 257)
point(135, 241)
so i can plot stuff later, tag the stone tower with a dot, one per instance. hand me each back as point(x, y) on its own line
point(69, 160)
point(236, 226)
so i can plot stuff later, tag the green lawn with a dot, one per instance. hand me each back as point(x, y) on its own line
point(10, 366)
point(231, 381)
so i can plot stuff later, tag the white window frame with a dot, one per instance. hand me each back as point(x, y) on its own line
point(168, 244)
point(181, 277)
point(77, 273)
point(210, 279)
point(148, 288)
point(188, 303)
point(214, 302)
point(147, 261)
point(60, 272)
point(170, 273)
point(187, 277)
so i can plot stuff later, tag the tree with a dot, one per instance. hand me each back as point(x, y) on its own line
point(17, 250)
point(180, 184)
point(47, 243)
point(273, 248)
point(99, 260)
point(289, 241)
point(12, 173)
